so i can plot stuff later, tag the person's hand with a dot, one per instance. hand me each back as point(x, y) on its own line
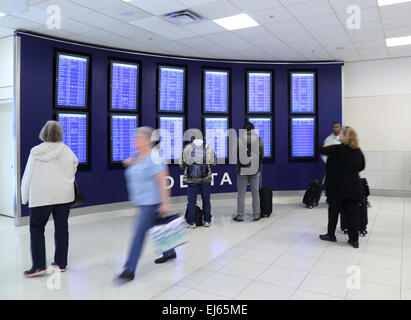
point(326, 145)
point(127, 162)
point(164, 208)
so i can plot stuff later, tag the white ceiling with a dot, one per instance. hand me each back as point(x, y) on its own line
point(308, 30)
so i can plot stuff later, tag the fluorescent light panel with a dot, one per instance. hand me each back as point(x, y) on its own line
point(400, 41)
point(382, 3)
point(2, 14)
point(239, 21)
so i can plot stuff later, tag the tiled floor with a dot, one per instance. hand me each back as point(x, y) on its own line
point(276, 258)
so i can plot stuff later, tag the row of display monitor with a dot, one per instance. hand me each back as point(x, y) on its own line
point(123, 128)
point(72, 74)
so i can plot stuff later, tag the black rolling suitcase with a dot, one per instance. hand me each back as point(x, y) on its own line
point(313, 194)
point(266, 199)
point(266, 202)
point(199, 216)
point(364, 205)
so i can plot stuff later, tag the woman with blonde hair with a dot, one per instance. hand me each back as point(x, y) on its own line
point(343, 184)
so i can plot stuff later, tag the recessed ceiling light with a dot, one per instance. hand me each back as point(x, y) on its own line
point(400, 41)
point(238, 21)
point(2, 14)
point(127, 0)
point(382, 3)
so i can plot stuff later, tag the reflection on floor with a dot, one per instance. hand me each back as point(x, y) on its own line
point(276, 258)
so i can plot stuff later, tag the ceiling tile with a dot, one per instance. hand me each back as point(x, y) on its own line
point(196, 41)
point(97, 4)
point(317, 22)
point(295, 36)
point(162, 27)
point(217, 9)
point(342, 5)
point(399, 22)
point(329, 32)
point(254, 32)
point(394, 12)
point(203, 27)
point(309, 9)
point(398, 32)
point(366, 27)
point(192, 3)
point(285, 27)
point(269, 16)
point(403, 51)
point(376, 53)
point(125, 12)
point(223, 38)
point(97, 19)
point(126, 30)
point(75, 26)
point(247, 5)
point(34, 14)
point(4, 32)
point(158, 7)
point(67, 8)
point(369, 14)
point(370, 44)
point(266, 42)
point(367, 36)
point(18, 23)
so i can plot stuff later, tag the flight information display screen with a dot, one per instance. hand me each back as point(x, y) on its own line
point(262, 126)
point(216, 135)
point(124, 77)
point(123, 130)
point(172, 137)
point(171, 90)
point(303, 92)
point(215, 91)
point(72, 76)
point(302, 137)
point(259, 92)
point(75, 133)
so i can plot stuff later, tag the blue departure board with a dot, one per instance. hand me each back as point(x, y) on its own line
point(172, 140)
point(216, 134)
point(302, 137)
point(171, 95)
point(75, 133)
point(72, 75)
point(124, 77)
point(262, 126)
point(123, 130)
point(303, 92)
point(259, 92)
point(216, 91)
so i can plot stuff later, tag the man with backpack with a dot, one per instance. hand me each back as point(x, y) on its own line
point(248, 170)
point(196, 161)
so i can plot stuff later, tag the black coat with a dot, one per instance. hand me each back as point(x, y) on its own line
point(342, 171)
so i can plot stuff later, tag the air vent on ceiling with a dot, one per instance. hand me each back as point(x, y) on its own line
point(182, 17)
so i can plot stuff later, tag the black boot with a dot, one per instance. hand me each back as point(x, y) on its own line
point(354, 244)
point(165, 258)
point(126, 276)
point(326, 237)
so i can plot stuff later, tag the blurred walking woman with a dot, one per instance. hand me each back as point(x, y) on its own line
point(146, 182)
point(48, 187)
point(343, 185)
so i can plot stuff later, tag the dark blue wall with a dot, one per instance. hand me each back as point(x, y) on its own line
point(103, 185)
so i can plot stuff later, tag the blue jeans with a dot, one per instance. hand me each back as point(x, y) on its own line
point(193, 189)
point(148, 215)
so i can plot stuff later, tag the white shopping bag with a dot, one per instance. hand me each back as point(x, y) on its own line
point(168, 233)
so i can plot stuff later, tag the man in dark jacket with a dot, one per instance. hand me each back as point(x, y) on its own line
point(250, 152)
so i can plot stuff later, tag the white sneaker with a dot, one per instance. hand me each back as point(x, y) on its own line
point(207, 224)
point(191, 226)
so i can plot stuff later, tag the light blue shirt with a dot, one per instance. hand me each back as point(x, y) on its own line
point(331, 139)
point(143, 188)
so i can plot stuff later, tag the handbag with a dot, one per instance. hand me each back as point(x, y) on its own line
point(79, 198)
point(168, 233)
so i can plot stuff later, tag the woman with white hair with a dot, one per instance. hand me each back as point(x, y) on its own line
point(48, 187)
point(146, 182)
